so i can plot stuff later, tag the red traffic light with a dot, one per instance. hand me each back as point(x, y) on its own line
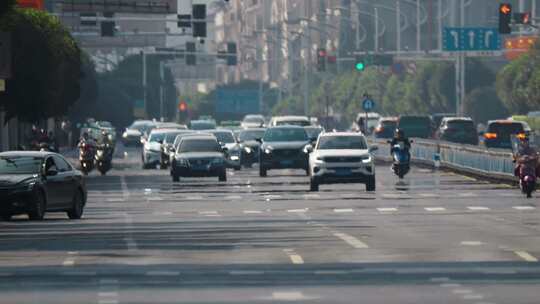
point(182, 106)
point(506, 8)
point(322, 53)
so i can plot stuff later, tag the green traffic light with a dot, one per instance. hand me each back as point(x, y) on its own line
point(360, 66)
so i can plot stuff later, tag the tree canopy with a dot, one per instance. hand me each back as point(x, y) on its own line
point(46, 66)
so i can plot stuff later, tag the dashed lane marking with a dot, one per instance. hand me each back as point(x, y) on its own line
point(115, 200)
point(252, 212)
point(68, 262)
point(526, 256)
point(298, 210)
point(246, 272)
point(208, 212)
point(467, 194)
point(524, 208)
point(311, 196)
point(346, 210)
point(194, 198)
point(429, 195)
point(108, 294)
point(156, 198)
point(477, 208)
point(450, 285)
point(434, 209)
point(462, 291)
point(233, 197)
point(108, 302)
point(296, 259)
point(471, 243)
point(125, 190)
point(163, 213)
point(387, 209)
point(351, 240)
point(288, 296)
point(473, 297)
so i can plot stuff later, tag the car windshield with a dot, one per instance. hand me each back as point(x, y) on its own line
point(285, 134)
point(461, 124)
point(254, 120)
point(202, 126)
point(301, 123)
point(313, 132)
point(414, 121)
point(224, 137)
point(199, 145)
point(249, 135)
point(342, 143)
point(171, 136)
point(20, 164)
point(156, 137)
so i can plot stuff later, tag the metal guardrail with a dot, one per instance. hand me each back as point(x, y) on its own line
point(474, 159)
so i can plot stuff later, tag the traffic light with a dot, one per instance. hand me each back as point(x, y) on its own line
point(505, 18)
point(231, 53)
point(360, 63)
point(321, 59)
point(199, 20)
point(522, 18)
point(183, 111)
point(191, 57)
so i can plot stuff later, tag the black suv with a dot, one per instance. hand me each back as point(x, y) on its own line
point(458, 130)
point(498, 133)
point(284, 147)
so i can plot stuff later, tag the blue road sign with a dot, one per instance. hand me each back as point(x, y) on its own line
point(457, 39)
point(232, 101)
point(368, 104)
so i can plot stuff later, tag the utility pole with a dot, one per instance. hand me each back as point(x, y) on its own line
point(376, 36)
point(398, 26)
point(418, 33)
point(161, 90)
point(440, 25)
point(143, 55)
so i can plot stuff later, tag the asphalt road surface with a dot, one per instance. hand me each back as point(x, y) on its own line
point(435, 237)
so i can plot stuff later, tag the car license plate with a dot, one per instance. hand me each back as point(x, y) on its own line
point(286, 162)
point(343, 172)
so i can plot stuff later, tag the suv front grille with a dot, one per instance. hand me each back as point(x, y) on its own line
point(286, 153)
point(342, 159)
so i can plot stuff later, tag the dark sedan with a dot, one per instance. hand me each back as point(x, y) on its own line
point(285, 147)
point(34, 183)
point(199, 156)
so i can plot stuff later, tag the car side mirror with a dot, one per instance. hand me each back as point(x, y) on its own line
point(373, 149)
point(224, 149)
point(160, 142)
point(172, 150)
point(388, 141)
point(51, 172)
point(259, 140)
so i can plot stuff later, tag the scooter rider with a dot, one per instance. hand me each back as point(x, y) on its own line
point(525, 149)
point(106, 142)
point(399, 136)
point(86, 139)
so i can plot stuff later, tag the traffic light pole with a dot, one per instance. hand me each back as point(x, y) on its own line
point(144, 81)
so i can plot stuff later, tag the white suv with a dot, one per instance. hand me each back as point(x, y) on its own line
point(342, 157)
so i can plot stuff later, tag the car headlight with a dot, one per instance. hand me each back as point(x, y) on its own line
point(125, 135)
point(366, 159)
point(307, 149)
point(248, 150)
point(268, 150)
point(99, 153)
point(235, 157)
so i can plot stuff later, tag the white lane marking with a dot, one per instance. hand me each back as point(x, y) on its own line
point(68, 262)
point(147, 190)
point(108, 302)
point(73, 252)
point(115, 200)
point(162, 273)
point(288, 296)
point(154, 198)
point(125, 190)
point(163, 213)
point(522, 208)
point(208, 212)
point(467, 194)
point(391, 195)
point(109, 294)
point(298, 210)
point(435, 209)
point(462, 291)
point(130, 241)
point(478, 208)
point(252, 212)
point(473, 297)
point(108, 281)
point(233, 197)
point(272, 196)
point(526, 256)
point(346, 210)
point(351, 240)
point(296, 259)
point(429, 195)
point(387, 209)
point(194, 198)
point(308, 196)
point(471, 243)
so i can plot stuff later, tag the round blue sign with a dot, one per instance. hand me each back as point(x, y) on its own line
point(368, 104)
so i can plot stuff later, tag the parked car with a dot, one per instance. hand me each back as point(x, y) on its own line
point(285, 147)
point(386, 127)
point(342, 157)
point(458, 130)
point(199, 156)
point(233, 153)
point(416, 125)
point(253, 121)
point(302, 121)
point(34, 183)
point(250, 146)
point(498, 133)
